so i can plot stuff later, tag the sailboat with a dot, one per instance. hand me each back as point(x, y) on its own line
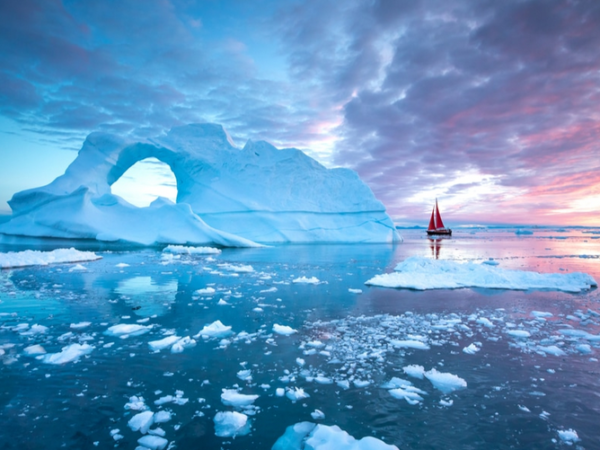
point(436, 226)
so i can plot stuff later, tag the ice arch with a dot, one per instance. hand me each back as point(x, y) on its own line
point(145, 181)
point(226, 195)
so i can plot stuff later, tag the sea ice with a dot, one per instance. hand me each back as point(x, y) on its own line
point(33, 350)
point(410, 394)
point(231, 424)
point(283, 330)
point(141, 422)
point(409, 344)
point(295, 394)
point(471, 349)
point(231, 397)
point(125, 330)
point(183, 250)
point(445, 382)
point(227, 196)
point(205, 291)
point(163, 343)
point(68, 354)
point(308, 436)
point(304, 280)
point(425, 273)
point(215, 330)
point(317, 414)
point(80, 325)
point(153, 442)
point(414, 371)
point(569, 436)
point(37, 258)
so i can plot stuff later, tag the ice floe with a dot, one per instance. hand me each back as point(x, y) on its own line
point(424, 273)
point(39, 258)
point(309, 436)
point(231, 424)
point(215, 330)
point(231, 397)
point(124, 330)
point(184, 250)
point(68, 354)
point(284, 330)
point(445, 382)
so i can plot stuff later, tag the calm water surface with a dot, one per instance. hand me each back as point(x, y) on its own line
point(518, 395)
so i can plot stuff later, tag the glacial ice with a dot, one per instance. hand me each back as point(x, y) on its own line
point(227, 196)
point(424, 273)
point(231, 397)
point(308, 436)
point(38, 258)
point(231, 424)
point(68, 354)
point(214, 330)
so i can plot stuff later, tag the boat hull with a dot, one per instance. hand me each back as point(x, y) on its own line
point(439, 232)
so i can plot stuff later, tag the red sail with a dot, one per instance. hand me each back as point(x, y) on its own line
point(438, 218)
point(432, 221)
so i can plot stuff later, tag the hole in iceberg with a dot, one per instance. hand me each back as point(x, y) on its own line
point(146, 180)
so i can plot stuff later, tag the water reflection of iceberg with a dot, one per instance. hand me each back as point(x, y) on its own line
point(150, 297)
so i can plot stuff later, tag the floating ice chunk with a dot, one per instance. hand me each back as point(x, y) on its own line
point(33, 350)
point(283, 330)
point(518, 333)
point(37, 258)
point(295, 394)
point(141, 422)
point(183, 250)
point(426, 273)
point(361, 383)
point(409, 344)
point(245, 375)
point(471, 349)
point(355, 291)
point(68, 354)
point(396, 383)
point(344, 384)
point(162, 417)
point(584, 349)
point(35, 329)
point(205, 291)
point(524, 408)
point(214, 330)
point(241, 268)
point(231, 424)
point(580, 333)
point(551, 350)
point(222, 302)
point(271, 289)
point(485, 322)
point(78, 268)
point(182, 344)
point(414, 371)
point(569, 436)
point(163, 343)
point(445, 382)
point(136, 404)
point(323, 380)
point(411, 397)
point(317, 414)
point(232, 397)
point(541, 314)
point(306, 435)
point(153, 442)
point(279, 392)
point(304, 280)
point(80, 325)
point(125, 330)
point(121, 265)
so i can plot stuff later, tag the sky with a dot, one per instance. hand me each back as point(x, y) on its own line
point(490, 106)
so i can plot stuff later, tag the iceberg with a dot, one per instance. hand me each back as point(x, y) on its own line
point(227, 196)
point(423, 273)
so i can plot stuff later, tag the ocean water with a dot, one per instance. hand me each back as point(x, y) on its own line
point(521, 391)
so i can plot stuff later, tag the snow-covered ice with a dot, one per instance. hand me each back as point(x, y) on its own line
point(284, 330)
point(38, 258)
point(424, 273)
point(215, 330)
point(68, 354)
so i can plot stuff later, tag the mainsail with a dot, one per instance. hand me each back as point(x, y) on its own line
point(435, 223)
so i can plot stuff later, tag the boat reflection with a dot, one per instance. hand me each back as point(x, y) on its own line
point(435, 244)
